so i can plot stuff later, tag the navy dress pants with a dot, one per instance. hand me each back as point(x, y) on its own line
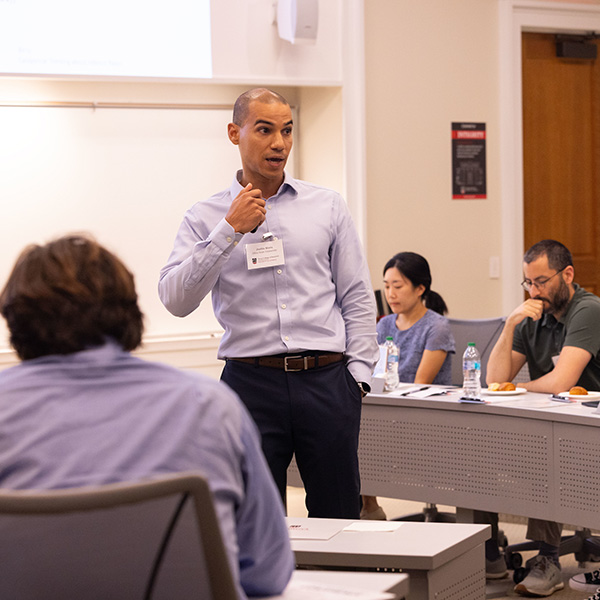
point(314, 414)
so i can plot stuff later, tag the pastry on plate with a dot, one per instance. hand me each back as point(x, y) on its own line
point(578, 391)
point(507, 386)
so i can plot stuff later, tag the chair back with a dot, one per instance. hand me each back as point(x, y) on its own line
point(156, 540)
point(484, 332)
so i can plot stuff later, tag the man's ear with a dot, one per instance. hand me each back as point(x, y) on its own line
point(569, 275)
point(233, 131)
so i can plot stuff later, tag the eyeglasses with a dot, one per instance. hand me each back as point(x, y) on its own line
point(527, 284)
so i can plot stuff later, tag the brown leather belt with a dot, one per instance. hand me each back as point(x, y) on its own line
point(293, 362)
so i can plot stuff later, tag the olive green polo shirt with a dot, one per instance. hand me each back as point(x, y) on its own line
point(579, 326)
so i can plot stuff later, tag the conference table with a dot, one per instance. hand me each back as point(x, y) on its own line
point(339, 585)
point(442, 560)
point(522, 454)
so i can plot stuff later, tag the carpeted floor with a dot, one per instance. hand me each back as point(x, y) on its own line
point(513, 528)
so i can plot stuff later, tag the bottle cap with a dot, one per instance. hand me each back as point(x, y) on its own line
point(389, 337)
point(471, 344)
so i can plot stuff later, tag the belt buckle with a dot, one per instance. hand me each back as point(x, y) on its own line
point(288, 369)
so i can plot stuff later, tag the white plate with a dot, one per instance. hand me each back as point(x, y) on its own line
point(506, 393)
point(583, 397)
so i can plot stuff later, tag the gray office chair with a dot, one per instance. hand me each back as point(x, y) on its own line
point(156, 539)
point(484, 332)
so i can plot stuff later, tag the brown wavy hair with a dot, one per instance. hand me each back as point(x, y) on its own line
point(69, 295)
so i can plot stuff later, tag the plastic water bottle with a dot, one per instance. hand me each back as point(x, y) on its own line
point(471, 372)
point(391, 365)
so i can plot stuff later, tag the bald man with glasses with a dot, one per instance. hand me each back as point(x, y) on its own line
point(556, 331)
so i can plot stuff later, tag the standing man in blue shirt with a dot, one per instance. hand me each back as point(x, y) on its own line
point(291, 288)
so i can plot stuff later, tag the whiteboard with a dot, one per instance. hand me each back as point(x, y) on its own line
point(125, 175)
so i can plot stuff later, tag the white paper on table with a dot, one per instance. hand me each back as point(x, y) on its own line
point(432, 391)
point(315, 529)
point(298, 590)
point(366, 525)
point(405, 389)
point(419, 391)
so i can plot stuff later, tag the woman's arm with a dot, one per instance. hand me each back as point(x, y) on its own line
point(430, 365)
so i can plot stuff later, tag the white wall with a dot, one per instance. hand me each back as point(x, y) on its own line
point(247, 47)
point(430, 63)
point(427, 64)
point(116, 172)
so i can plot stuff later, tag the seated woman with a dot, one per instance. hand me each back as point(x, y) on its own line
point(417, 324)
point(418, 328)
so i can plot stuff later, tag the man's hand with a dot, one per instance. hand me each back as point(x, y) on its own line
point(247, 211)
point(530, 308)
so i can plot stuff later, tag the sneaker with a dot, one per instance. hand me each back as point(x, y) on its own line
point(544, 579)
point(495, 569)
point(586, 582)
point(595, 596)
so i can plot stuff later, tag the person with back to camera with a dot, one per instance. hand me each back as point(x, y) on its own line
point(291, 288)
point(419, 329)
point(556, 331)
point(80, 410)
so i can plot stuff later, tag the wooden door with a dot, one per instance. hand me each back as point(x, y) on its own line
point(561, 153)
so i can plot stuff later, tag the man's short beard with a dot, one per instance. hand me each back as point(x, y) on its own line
point(560, 300)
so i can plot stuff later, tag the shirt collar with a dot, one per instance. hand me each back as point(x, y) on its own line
point(288, 183)
point(93, 355)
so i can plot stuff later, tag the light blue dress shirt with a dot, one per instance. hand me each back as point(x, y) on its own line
point(104, 416)
point(320, 299)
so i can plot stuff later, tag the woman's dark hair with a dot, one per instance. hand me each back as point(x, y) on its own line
point(416, 269)
point(69, 295)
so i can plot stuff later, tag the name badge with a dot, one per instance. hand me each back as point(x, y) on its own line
point(265, 254)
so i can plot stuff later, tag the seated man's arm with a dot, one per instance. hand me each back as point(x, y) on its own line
point(504, 363)
point(569, 367)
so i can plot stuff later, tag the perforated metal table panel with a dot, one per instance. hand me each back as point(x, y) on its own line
point(460, 459)
point(525, 455)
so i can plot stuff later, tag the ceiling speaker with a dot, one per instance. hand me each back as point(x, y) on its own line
point(297, 20)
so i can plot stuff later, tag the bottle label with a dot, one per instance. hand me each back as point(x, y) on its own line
point(470, 365)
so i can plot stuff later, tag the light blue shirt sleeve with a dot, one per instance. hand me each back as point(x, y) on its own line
point(194, 265)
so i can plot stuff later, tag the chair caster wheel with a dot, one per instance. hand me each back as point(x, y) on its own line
point(520, 574)
point(514, 561)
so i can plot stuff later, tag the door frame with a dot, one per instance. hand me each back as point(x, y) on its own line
point(515, 17)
